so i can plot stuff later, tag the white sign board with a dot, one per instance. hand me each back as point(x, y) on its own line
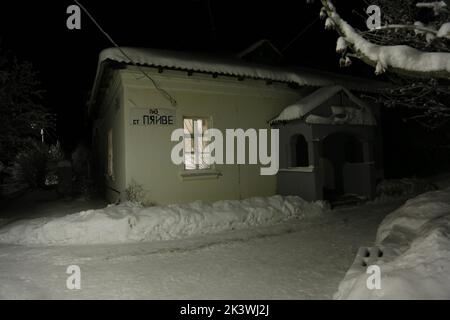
point(152, 116)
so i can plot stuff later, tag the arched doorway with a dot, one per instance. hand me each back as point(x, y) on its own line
point(299, 152)
point(341, 153)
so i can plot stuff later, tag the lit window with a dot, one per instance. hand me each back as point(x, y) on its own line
point(196, 156)
point(110, 154)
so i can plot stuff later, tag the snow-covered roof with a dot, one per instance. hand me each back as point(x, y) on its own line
point(230, 67)
point(304, 107)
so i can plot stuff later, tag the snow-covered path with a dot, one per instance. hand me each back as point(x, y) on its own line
point(303, 259)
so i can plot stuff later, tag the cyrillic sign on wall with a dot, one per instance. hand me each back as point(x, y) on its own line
point(152, 116)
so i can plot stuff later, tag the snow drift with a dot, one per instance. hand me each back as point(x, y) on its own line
point(415, 240)
point(129, 222)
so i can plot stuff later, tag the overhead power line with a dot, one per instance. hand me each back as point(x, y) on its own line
point(163, 92)
point(302, 32)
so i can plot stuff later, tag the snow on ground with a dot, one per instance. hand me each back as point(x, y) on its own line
point(416, 240)
point(128, 222)
point(261, 248)
point(297, 259)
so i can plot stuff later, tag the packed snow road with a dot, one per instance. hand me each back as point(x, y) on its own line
point(298, 259)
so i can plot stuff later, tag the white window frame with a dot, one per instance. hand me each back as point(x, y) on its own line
point(189, 136)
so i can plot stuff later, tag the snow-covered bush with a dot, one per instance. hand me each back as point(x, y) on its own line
point(135, 193)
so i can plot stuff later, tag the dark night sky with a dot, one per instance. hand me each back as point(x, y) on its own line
point(67, 59)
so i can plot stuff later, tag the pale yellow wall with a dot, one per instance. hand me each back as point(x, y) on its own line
point(230, 103)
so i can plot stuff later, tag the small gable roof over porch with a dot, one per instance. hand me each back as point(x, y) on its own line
point(304, 108)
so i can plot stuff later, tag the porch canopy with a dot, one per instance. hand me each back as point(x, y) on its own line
point(358, 113)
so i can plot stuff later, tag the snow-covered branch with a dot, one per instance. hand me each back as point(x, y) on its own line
point(415, 27)
point(436, 6)
point(401, 59)
point(419, 28)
